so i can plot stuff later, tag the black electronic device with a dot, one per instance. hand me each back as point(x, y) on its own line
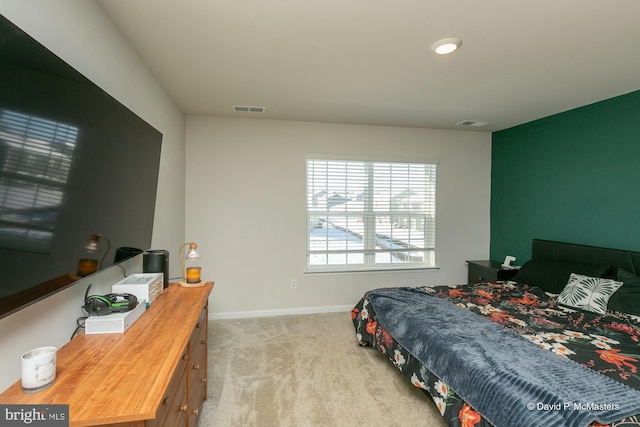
point(125, 252)
point(102, 305)
point(73, 162)
point(156, 261)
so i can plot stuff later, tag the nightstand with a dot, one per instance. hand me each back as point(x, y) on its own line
point(488, 271)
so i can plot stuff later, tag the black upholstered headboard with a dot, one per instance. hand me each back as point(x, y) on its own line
point(583, 254)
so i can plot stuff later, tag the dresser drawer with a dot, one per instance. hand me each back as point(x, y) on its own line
point(197, 370)
point(173, 408)
point(197, 382)
point(478, 274)
point(200, 331)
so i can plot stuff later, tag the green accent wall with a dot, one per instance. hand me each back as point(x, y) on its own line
point(571, 177)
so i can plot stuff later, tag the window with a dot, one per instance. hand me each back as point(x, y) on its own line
point(364, 215)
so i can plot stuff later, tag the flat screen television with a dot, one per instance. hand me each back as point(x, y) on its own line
point(74, 162)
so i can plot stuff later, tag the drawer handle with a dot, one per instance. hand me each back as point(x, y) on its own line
point(198, 325)
point(165, 401)
point(195, 411)
point(203, 380)
point(204, 341)
point(185, 356)
point(196, 367)
point(183, 408)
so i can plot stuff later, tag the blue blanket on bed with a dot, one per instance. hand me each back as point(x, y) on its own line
point(503, 376)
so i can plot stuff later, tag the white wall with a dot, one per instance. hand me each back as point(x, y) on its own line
point(246, 208)
point(80, 33)
point(225, 209)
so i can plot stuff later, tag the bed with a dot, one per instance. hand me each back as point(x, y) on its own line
point(558, 345)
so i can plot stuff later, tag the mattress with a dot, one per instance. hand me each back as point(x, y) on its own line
point(607, 345)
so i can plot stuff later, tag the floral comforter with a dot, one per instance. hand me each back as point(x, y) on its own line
point(608, 344)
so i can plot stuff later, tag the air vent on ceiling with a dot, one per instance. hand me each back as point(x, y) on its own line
point(472, 123)
point(248, 109)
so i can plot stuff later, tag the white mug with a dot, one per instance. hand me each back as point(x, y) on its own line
point(38, 369)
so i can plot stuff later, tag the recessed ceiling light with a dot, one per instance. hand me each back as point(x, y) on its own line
point(445, 46)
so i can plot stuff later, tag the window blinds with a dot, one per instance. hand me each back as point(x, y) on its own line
point(370, 214)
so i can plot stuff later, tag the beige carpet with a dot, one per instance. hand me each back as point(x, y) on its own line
point(305, 370)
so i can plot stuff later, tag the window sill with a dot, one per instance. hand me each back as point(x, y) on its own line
point(422, 269)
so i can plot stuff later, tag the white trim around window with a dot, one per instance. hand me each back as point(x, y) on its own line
point(370, 214)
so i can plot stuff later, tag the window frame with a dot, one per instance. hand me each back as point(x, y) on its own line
point(370, 263)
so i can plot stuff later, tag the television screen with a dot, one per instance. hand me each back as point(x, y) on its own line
point(74, 163)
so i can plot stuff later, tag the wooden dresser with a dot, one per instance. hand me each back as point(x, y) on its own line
point(153, 374)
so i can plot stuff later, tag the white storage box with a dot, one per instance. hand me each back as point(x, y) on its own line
point(145, 286)
point(115, 322)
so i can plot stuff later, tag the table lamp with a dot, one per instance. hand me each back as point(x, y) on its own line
point(191, 274)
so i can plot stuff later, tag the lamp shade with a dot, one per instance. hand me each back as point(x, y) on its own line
point(193, 252)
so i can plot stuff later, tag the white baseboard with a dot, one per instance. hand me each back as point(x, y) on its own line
point(280, 312)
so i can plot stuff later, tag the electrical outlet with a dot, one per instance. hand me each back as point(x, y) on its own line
point(294, 283)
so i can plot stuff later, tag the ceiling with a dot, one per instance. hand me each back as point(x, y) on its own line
point(370, 62)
